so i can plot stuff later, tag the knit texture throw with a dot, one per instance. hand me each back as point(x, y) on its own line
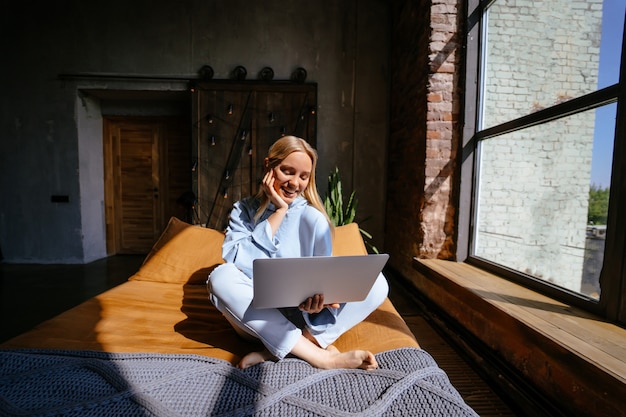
point(84, 383)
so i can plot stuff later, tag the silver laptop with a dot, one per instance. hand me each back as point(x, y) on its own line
point(287, 282)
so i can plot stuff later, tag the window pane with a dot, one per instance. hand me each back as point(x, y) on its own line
point(598, 198)
point(542, 53)
point(533, 199)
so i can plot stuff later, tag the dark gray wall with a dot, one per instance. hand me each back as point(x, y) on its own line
point(51, 128)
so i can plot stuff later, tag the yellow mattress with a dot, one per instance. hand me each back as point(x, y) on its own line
point(164, 307)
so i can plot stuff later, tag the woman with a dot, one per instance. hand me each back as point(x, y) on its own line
point(287, 219)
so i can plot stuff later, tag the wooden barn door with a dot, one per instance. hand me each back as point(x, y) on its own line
point(146, 169)
point(235, 125)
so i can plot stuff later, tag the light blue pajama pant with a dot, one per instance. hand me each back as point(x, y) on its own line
point(231, 292)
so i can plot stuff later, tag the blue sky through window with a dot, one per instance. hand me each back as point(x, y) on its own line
point(610, 51)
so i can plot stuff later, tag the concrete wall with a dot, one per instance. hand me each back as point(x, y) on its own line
point(50, 128)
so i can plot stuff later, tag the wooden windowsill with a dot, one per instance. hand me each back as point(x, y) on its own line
point(542, 337)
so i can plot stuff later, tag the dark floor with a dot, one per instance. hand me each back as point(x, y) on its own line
point(30, 294)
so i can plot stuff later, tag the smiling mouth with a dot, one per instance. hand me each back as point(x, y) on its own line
point(290, 193)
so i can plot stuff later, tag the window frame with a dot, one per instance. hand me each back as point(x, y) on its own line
point(612, 302)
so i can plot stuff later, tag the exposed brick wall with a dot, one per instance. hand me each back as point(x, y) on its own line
point(442, 131)
point(422, 173)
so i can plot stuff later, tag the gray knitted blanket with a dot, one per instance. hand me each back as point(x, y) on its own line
point(84, 383)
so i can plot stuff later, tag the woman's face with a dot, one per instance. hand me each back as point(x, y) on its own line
point(292, 176)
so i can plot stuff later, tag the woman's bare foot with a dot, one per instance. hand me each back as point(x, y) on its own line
point(331, 357)
point(353, 359)
point(253, 358)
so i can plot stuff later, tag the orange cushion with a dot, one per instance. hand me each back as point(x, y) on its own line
point(183, 254)
point(347, 240)
point(187, 254)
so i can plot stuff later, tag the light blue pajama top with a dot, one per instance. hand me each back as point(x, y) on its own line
point(304, 231)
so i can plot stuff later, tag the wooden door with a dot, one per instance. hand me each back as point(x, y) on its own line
point(141, 186)
point(234, 126)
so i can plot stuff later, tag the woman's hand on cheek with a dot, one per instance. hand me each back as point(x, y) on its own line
point(268, 187)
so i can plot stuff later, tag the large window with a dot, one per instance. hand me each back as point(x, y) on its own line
point(542, 134)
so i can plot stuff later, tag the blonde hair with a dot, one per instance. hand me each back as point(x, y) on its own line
point(280, 150)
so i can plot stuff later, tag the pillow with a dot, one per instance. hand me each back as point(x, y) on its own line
point(347, 240)
point(182, 254)
point(187, 254)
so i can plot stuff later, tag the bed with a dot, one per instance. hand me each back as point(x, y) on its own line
point(155, 346)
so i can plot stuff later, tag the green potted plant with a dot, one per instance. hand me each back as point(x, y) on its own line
point(340, 213)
